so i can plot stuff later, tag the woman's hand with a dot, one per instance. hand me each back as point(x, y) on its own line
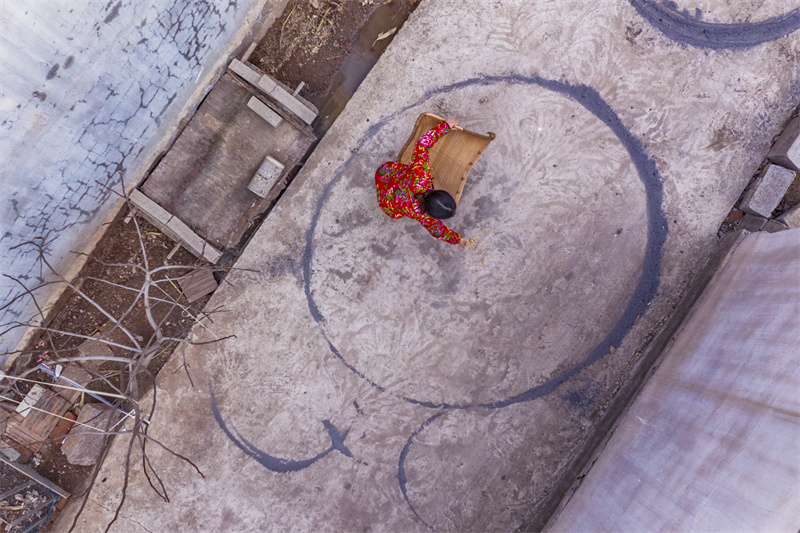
point(452, 123)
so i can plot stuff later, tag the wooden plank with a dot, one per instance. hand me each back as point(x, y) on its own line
point(33, 429)
point(203, 178)
point(22, 435)
point(197, 284)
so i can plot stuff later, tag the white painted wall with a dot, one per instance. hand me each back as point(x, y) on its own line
point(88, 92)
point(712, 443)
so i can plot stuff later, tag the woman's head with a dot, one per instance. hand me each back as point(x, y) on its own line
point(439, 204)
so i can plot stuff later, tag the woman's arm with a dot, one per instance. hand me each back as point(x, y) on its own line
point(438, 229)
point(420, 157)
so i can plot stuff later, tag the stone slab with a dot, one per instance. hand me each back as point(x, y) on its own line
point(175, 228)
point(786, 150)
point(768, 190)
point(773, 226)
point(95, 349)
point(265, 112)
point(84, 445)
point(792, 217)
point(78, 375)
point(31, 399)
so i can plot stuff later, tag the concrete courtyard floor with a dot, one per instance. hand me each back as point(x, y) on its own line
point(382, 380)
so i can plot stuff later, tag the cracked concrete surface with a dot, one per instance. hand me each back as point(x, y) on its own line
point(463, 384)
point(89, 92)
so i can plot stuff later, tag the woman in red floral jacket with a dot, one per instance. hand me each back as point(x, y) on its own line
point(407, 190)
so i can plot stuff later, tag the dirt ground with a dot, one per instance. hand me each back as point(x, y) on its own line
point(111, 263)
point(309, 42)
point(311, 39)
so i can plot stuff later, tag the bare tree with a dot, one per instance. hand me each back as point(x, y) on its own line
point(147, 295)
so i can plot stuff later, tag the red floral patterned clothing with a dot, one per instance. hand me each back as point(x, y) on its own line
point(397, 184)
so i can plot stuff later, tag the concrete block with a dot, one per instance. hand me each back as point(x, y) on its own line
point(192, 241)
point(273, 88)
point(752, 223)
point(84, 445)
point(768, 191)
point(786, 150)
point(791, 218)
point(245, 72)
point(265, 112)
point(266, 176)
point(151, 210)
point(283, 96)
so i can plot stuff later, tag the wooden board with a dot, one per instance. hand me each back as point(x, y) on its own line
point(197, 284)
point(451, 157)
point(203, 178)
point(31, 430)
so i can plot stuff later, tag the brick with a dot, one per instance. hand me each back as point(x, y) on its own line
point(245, 72)
point(266, 176)
point(265, 112)
point(192, 241)
point(791, 218)
point(768, 190)
point(151, 210)
point(734, 215)
point(786, 150)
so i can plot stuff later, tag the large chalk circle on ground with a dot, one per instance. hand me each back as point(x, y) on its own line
point(558, 213)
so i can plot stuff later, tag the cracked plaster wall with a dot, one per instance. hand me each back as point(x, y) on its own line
point(89, 92)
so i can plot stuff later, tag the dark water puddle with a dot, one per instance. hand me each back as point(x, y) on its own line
point(361, 57)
